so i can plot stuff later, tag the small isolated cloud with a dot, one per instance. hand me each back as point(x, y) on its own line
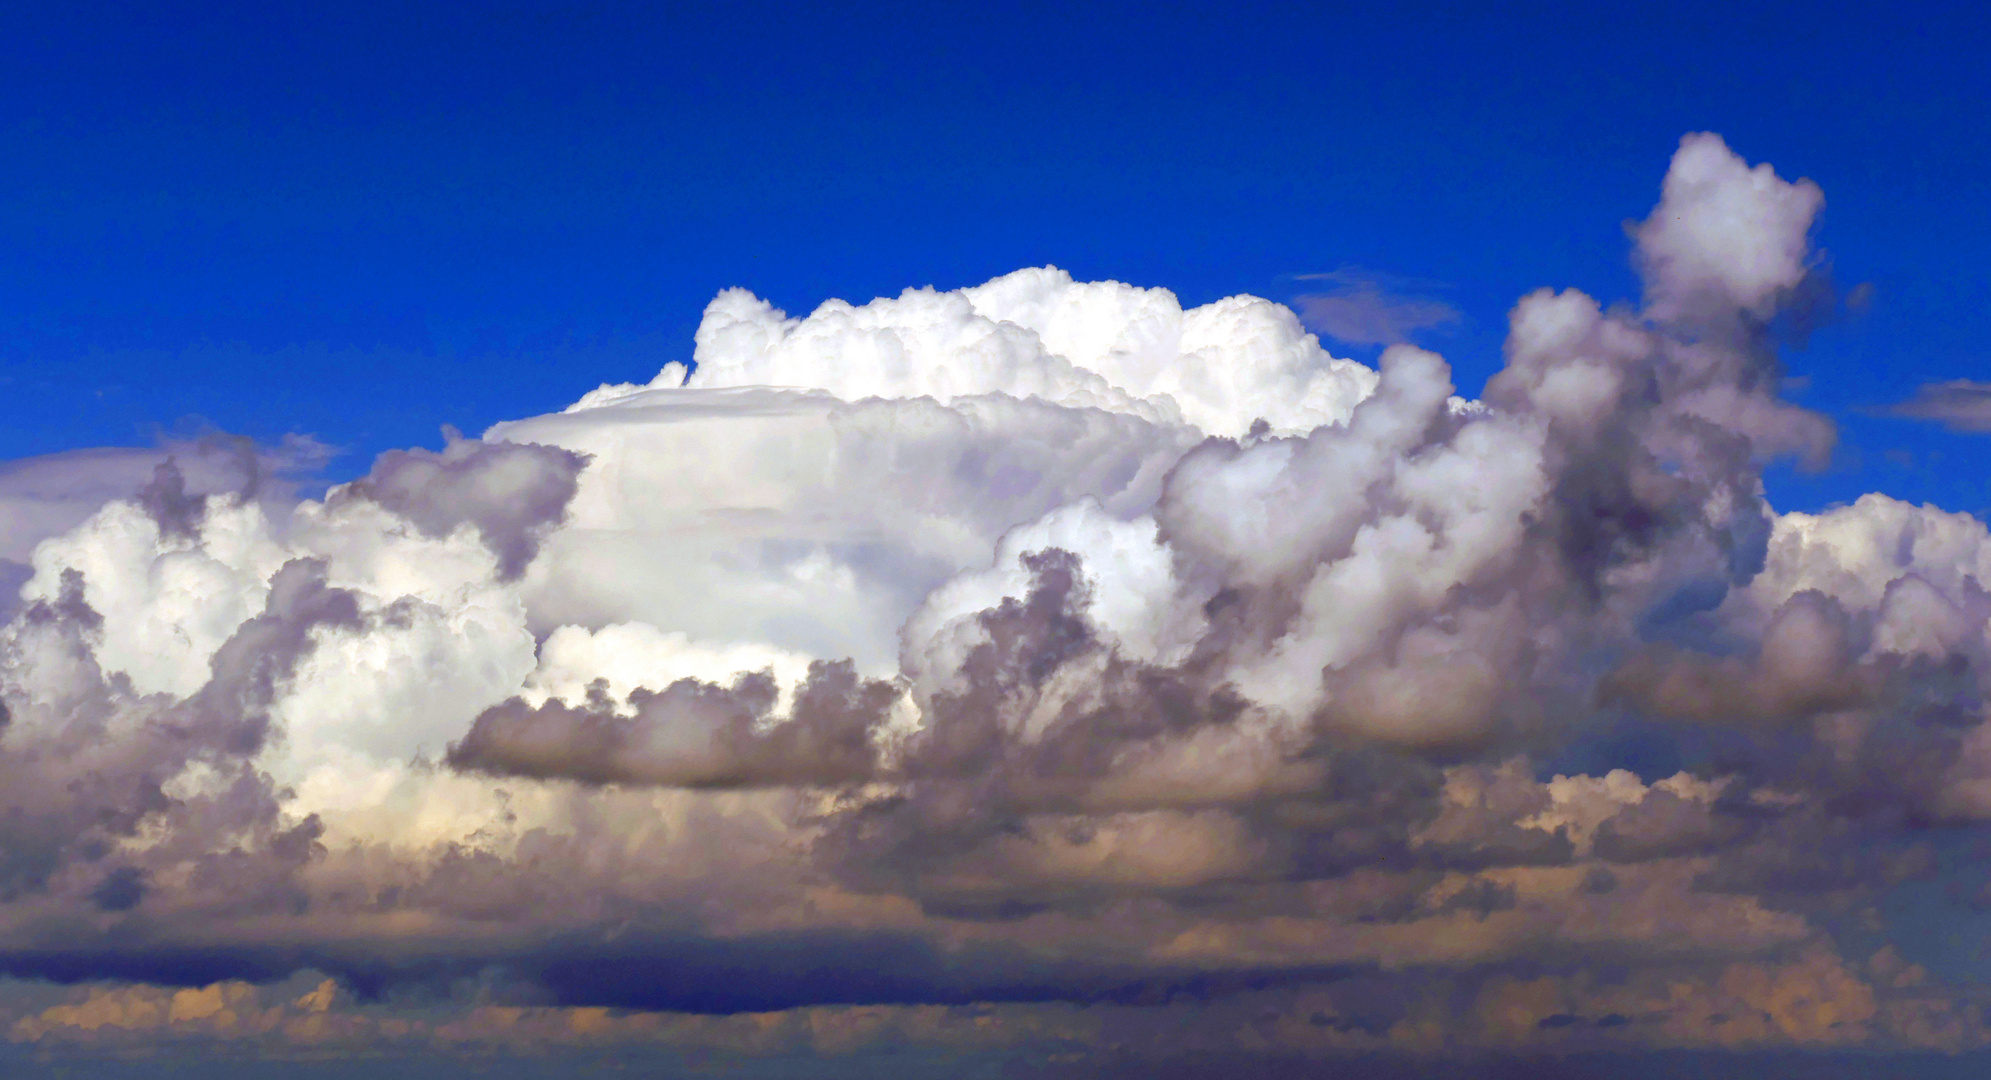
point(1859, 299)
point(1959, 404)
point(1367, 308)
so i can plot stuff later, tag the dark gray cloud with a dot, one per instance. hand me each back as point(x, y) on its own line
point(1805, 665)
point(83, 774)
point(1664, 825)
point(248, 671)
point(166, 498)
point(511, 492)
point(691, 734)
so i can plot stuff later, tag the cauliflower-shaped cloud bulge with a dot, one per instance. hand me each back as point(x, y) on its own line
point(1036, 333)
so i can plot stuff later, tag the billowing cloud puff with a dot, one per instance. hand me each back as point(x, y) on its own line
point(692, 734)
point(1038, 643)
point(511, 492)
point(1038, 333)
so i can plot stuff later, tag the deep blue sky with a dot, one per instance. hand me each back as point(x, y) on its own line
point(366, 220)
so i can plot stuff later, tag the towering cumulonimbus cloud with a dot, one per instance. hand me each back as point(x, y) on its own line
point(1042, 642)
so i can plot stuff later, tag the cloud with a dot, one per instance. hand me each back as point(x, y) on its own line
point(1805, 667)
point(691, 734)
point(1365, 308)
point(1728, 238)
point(48, 495)
point(513, 493)
point(1959, 405)
point(1365, 1025)
point(1023, 646)
point(1037, 333)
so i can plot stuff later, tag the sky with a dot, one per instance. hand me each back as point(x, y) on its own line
point(924, 539)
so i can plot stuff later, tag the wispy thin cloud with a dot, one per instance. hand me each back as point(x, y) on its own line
point(1364, 307)
point(1957, 404)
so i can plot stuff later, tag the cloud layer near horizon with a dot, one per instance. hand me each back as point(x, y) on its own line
point(1039, 643)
